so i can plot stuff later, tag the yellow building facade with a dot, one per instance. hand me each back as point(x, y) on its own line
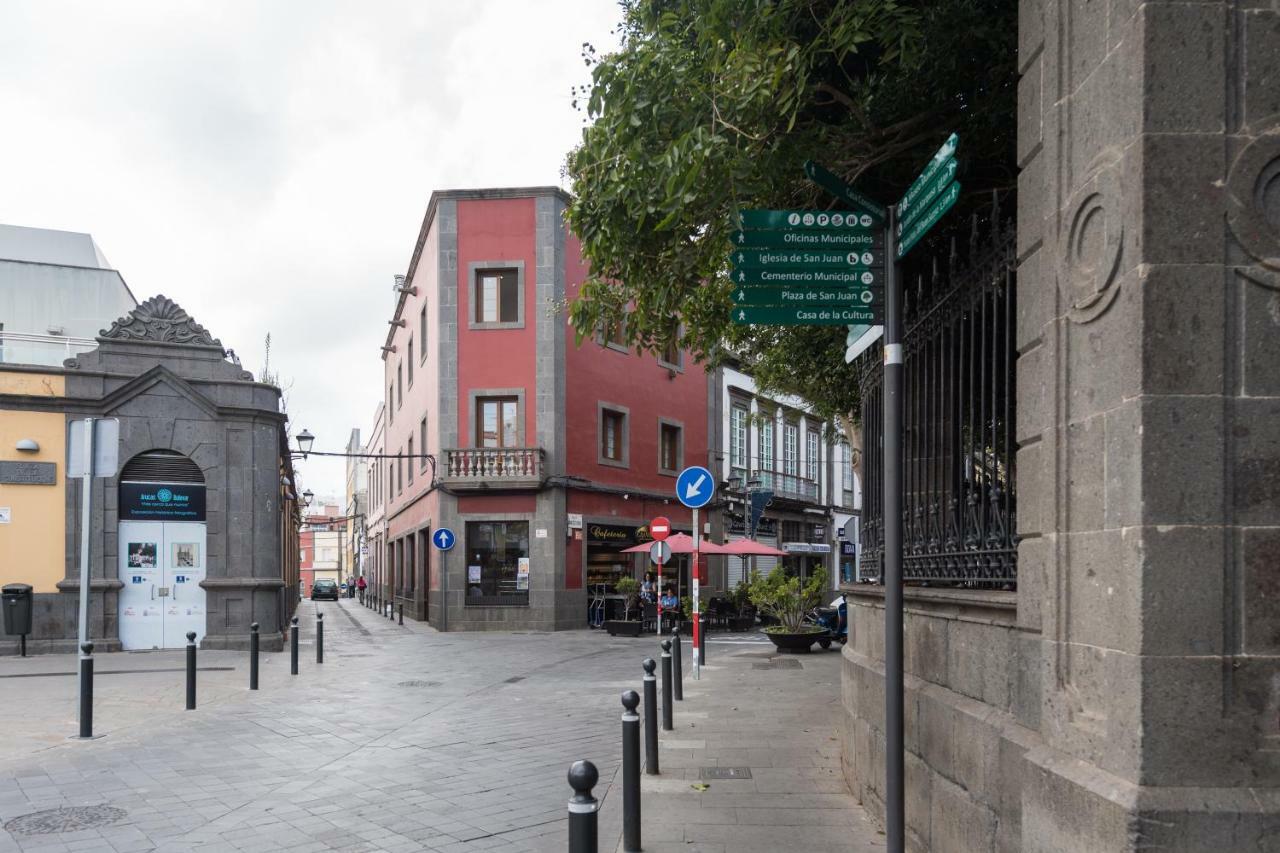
point(33, 516)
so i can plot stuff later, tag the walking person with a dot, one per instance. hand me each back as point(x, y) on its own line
point(360, 587)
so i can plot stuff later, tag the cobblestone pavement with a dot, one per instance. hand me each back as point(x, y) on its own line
point(404, 739)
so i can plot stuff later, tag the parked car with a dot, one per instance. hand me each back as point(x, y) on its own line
point(324, 589)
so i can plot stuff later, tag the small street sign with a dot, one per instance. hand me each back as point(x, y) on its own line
point(914, 198)
point(860, 337)
point(758, 295)
point(838, 188)
point(798, 239)
point(820, 219)
point(660, 528)
point(106, 448)
point(922, 225)
point(695, 486)
point(799, 316)
point(807, 259)
point(660, 553)
point(809, 278)
point(443, 538)
point(929, 191)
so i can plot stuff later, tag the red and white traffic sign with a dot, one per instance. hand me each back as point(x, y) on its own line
point(660, 528)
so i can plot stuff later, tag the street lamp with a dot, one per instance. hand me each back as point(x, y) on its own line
point(307, 497)
point(305, 440)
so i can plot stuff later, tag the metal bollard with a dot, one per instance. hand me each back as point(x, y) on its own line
point(630, 772)
point(650, 717)
point(677, 666)
point(293, 646)
point(319, 638)
point(667, 711)
point(401, 614)
point(253, 656)
point(583, 808)
point(86, 690)
point(702, 639)
point(191, 670)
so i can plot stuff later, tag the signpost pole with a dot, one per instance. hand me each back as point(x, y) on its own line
point(693, 575)
point(893, 411)
point(86, 526)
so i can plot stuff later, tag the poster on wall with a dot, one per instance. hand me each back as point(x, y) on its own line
point(522, 573)
point(142, 555)
point(186, 555)
point(473, 574)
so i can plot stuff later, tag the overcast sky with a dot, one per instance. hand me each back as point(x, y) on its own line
point(267, 164)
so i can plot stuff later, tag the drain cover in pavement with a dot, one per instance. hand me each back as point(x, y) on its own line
point(726, 773)
point(418, 684)
point(788, 663)
point(763, 664)
point(66, 819)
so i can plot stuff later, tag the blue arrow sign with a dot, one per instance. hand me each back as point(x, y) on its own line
point(695, 486)
point(443, 538)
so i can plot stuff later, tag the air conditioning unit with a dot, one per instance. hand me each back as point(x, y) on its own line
point(56, 330)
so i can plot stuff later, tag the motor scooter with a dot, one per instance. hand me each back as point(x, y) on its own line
point(834, 619)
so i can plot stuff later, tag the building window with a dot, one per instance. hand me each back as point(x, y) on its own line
point(497, 296)
point(391, 480)
point(614, 436)
point(391, 390)
point(670, 446)
point(768, 461)
point(422, 443)
point(497, 422)
point(410, 460)
point(422, 331)
point(399, 385)
point(791, 449)
point(848, 481)
point(497, 563)
point(410, 362)
point(811, 454)
point(671, 356)
point(738, 437)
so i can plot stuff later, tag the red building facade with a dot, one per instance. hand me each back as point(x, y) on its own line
point(549, 457)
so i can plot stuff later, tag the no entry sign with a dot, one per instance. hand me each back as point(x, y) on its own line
point(660, 528)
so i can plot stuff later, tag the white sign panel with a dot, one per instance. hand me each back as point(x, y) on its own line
point(4, 515)
point(106, 448)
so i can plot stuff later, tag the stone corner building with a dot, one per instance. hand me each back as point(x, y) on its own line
point(1127, 697)
point(197, 530)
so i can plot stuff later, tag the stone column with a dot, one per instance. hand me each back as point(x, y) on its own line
point(1149, 421)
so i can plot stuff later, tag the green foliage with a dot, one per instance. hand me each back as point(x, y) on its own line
point(740, 596)
point(713, 105)
point(629, 589)
point(686, 606)
point(782, 597)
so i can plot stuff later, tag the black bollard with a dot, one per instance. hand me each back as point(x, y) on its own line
point(650, 718)
point(293, 646)
point(253, 656)
point(702, 639)
point(677, 666)
point(583, 808)
point(401, 614)
point(667, 711)
point(319, 638)
point(86, 690)
point(630, 772)
point(191, 670)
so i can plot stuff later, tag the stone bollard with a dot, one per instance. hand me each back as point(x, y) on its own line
point(293, 646)
point(650, 718)
point(668, 712)
point(630, 772)
point(583, 808)
point(677, 666)
point(253, 656)
point(86, 690)
point(191, 670)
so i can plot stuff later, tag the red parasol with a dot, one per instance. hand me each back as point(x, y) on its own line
point(750, 548)
point(681, 543)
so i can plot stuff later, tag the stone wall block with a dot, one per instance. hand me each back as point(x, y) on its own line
point(1182, 459)
point(1085, 474)
point(1062, 811)
point(1037, 300)
point(1122, 491)
point(1182, 313)
point(1105, 108)
point(958, 823)
point(1030, 32)
point(925, 654)
point(1025, 689)
point(1034, 474)
point(1183, 74)
point(1103, 591)
point(1030, 116)
point(1181, 206)
point(1259, 314)
point(1255, 461)
point(918, 802)
point(937, 735)
point(1103, 356)
point(1261, 33)
point(1031, 218)
point(1260, 557)
point(975, 759)
point(1036, 405)
point(1182, 598)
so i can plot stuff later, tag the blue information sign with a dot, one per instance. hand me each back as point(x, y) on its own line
point(443, 538)
point(695, 486)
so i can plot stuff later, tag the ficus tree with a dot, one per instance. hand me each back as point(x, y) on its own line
point(709, 106)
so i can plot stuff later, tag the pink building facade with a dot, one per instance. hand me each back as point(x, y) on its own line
point(549, 457)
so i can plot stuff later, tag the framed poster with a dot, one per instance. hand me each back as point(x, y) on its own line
point(473, 574)
point(142, 555)
point(522, 573)
point(186, 555)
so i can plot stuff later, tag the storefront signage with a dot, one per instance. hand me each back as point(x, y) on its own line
point(161, 502)
point(848, 549)
point(522, 573)
point(806, 548)
point(29, 473)
point(612, 534)
point(575, 521)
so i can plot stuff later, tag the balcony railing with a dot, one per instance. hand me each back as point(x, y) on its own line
point(788, 486)
point(50, 350)
point(492, 467)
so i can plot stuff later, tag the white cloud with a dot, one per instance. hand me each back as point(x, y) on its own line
point(267, 165)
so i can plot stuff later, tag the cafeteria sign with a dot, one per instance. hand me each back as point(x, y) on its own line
point(161, 502)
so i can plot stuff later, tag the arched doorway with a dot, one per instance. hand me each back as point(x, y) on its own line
point(161, 547)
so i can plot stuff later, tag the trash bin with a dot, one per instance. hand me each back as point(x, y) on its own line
point(15, 600)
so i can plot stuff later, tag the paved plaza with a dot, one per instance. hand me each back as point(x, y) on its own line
point(405, 739)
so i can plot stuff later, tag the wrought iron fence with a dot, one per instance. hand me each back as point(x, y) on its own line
point(958, 448)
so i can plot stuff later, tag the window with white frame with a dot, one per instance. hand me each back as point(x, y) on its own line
point(768, 461)
point(791, 449)
point(738, 436)
point(811, 454)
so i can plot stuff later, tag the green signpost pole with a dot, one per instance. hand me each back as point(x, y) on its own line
point(895, 812)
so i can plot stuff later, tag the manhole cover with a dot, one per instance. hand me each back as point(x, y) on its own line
point(65, 819)
point(763, 665)
point(726, 772)
point(788, 663)
point(418, 684)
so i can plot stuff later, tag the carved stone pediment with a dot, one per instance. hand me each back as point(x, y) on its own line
point(160, 319)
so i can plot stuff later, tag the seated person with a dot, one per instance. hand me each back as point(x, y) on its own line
point(669, 601)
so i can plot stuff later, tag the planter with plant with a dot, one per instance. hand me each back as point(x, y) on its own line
point(744, 613)
point(786, 600)
point(629, 589)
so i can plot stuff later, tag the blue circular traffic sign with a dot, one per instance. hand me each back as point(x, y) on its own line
point(443, 538)
point(695, 486)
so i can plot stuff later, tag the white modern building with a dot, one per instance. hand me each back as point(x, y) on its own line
point(57, 293)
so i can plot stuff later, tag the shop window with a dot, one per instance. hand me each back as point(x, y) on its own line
point(497, 299)
point(614, 436)
point(497, 422)
point(670, 447)
point(497, 563)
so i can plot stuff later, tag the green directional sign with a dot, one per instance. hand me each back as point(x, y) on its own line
point(758, 295)
point(793, 239)
point(929, 190)
point(912, 195)
point(800, 316)
point(838, 188)
point(822, 220)
point(922, 225)
point(809, 278)
point(781, 259)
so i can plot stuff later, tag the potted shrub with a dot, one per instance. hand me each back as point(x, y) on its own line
point(785, 600)
point(629, 589)
point(686, 616)
point(744, 618)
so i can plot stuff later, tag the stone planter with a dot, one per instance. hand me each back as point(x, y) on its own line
point(621, 628)
point(795, 643)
